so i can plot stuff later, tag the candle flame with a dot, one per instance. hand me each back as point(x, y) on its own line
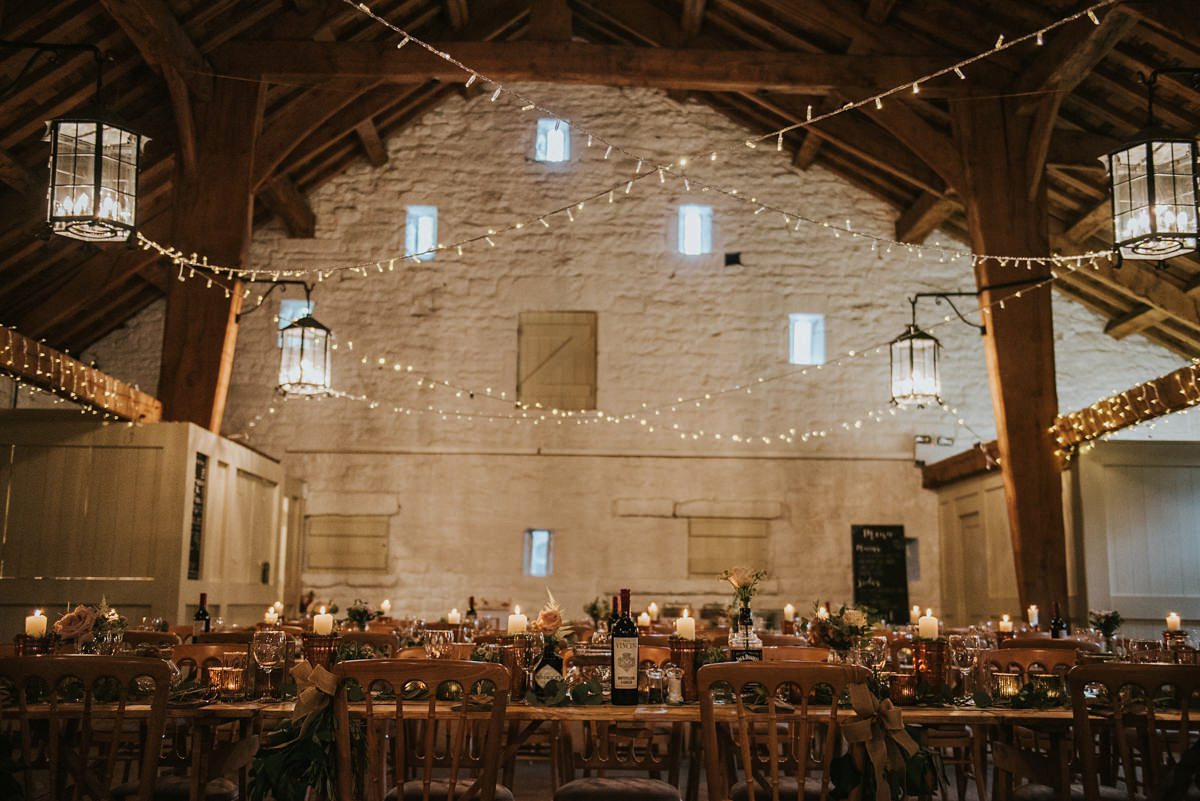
point(322, 611)
point(37, 612)
point(685, 613)
point(1006, 618)
point(454, 611)
point(516, 609)
point(928, 612)
point(279, 606)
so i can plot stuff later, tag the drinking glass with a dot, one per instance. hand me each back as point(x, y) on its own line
point(962, 657)
point(527, 648)
point(267, 648)
point(438, 643)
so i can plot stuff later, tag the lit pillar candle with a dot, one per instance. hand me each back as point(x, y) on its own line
point(1032, 611)
point(1005, 624)
point(517, 623)
point(685, 627)
point(927, 626)
point(454, 618)
point(914, 615)
point(271, 617)
point(1172, 622)
point(386, 607)
point(652, 610)
point(644, 620)
point(279, 607)
point(35, 624)
point(789, 612)
point(823, 613)
point(323, 623)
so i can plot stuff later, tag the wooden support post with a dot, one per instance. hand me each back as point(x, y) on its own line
point(991, 139)
point(213, 211)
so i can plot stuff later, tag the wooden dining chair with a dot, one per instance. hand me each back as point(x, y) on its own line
point(229, 636)
point(781, 742)
point(782, 640)
point(593, 760)
point(77, 736)
point(441, 744)
point(1134, 728)
point(137, 637)
point(794, 653)
point(387, 644)
point(194, 660)
point(1047, 643)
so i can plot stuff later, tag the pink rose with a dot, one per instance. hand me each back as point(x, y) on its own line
point(549, 620)
point(77, 624)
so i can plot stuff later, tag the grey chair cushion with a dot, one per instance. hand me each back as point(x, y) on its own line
point(616, 788)
point(439, 789)
point(788, 790)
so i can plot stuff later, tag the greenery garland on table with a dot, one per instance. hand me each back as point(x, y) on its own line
point(295, 757)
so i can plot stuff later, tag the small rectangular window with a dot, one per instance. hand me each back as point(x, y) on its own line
point(420, 232)
point(806, 338)
point(290, 311)
point(539, 552)
point(695, 229)
point(553, 141)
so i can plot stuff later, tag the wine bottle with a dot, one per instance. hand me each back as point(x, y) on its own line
point(201, 622)
point(1058, 626)
point(614, 613)
point(471, 615)
point(548, 669)
point(624, 636)
point(744, 644)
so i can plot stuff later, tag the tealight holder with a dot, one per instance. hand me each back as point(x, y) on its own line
point(902, 689)
point(1006, 685)
point(227, 683)
point(685, 655)
point(929, 657)
point(1174, 639)
point(31, 646)
point(319, 649)
point(1051, 684)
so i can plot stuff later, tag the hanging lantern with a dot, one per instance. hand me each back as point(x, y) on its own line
point(1154, 188)
point(304, 364)
point(915, 381)
point(93, 177)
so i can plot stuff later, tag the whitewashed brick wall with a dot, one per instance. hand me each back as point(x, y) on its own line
point(461, 492)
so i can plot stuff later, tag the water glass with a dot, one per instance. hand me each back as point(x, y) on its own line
point(267, 648)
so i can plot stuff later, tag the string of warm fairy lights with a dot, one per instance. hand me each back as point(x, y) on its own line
point(196, 262)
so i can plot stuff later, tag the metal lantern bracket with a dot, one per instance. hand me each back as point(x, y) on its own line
point(49, 47)
point(946, 296)
point(274, 285)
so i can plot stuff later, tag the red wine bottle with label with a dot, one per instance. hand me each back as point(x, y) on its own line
point(201, 621)
point(1058, 626)
point(624, 657)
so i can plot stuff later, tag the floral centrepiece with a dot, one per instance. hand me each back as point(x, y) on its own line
point(91, 625)
point(841, 631)
point(1106, 621)
point(360, 614)
point(551, 625)
point(744, 582)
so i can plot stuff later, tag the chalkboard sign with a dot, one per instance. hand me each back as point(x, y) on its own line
point(880, 574)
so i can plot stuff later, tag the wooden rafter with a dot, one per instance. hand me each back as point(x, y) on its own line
point(44, 367)
point(692, 18)
point(281, 195)
point(929, 144)
point(456, 11)
point(372, 145)
point(576, 63)
point(921, 218)
point(878, 10)
point(549, 21)
point(1173, 392)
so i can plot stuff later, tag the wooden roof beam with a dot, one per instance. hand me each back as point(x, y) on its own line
point(576, 63)
point(879, 10)
point(456, 12)
point(15, 175)
point(921, 218)
point(692, 19)
point(45, 367)
point(1137, 319)
point(282, 197)
point(372, 145)
point(926, 142)
point(549, 21)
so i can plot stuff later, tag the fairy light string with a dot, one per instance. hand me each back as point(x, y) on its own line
point(662, 170)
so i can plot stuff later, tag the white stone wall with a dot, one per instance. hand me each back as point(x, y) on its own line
point(462, 491)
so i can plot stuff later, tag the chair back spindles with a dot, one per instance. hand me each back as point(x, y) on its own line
point(74, 724)
point(444, 741)
point(1141, 708)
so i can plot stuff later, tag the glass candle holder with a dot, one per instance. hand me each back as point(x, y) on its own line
point(674, 684)
point(929, 657)
point(902, 689)
point(227, 683)
point(685, 655)
point(31, 646)
point(1006, 685)
point(1051, 684)
point(319, 649)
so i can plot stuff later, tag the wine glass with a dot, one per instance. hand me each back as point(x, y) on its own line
point(267, 648)
point(527, 648)
point(438, 643)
